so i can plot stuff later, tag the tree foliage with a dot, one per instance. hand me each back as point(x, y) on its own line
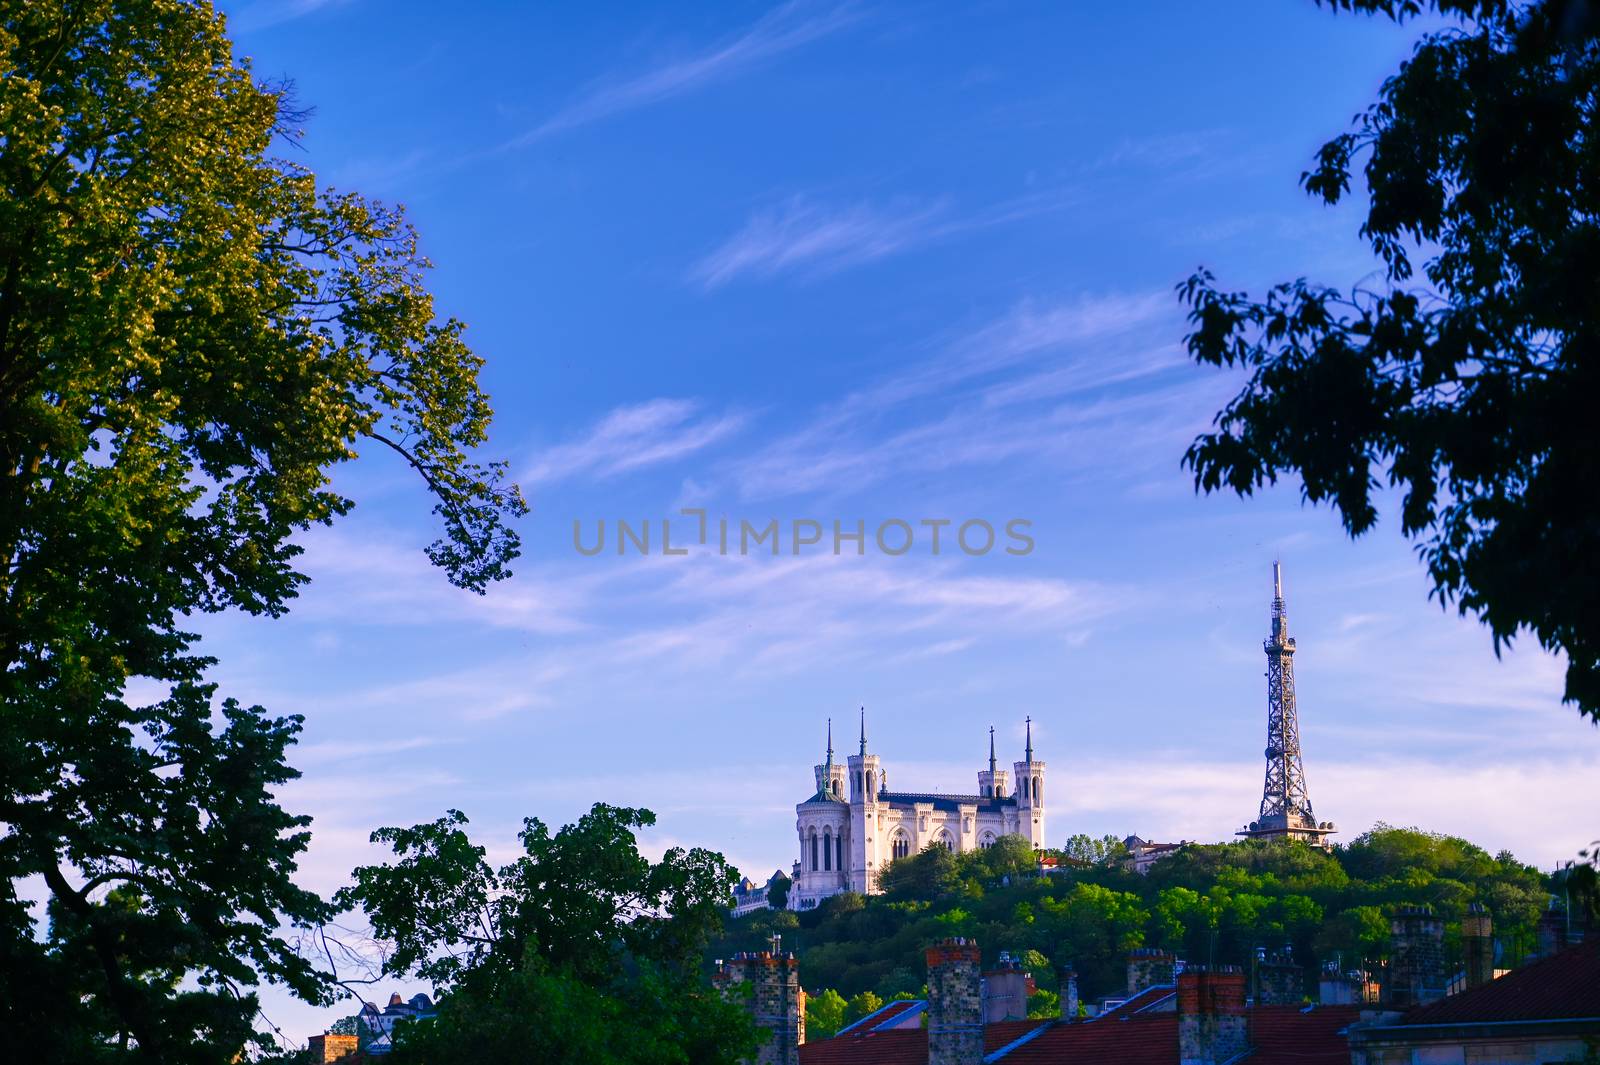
point(1214, 904)
point(581, 950)
point(192, 336)
point(1467, 379)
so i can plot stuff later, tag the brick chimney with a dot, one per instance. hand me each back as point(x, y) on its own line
point(1067, 977)
point(1279, 981)
point(775, 999)
point(1212, 1026)
point(955, 1003)
point(1149, 967)
point(1477, 943)
point(1416, 961)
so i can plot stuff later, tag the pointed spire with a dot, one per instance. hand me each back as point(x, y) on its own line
point(1280, 615)
point(825, 785)
point(863, 730)
point(991, 752)
point(1029, 723)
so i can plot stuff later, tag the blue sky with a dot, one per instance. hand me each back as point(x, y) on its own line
point(864, 262)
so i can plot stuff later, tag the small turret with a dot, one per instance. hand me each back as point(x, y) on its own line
point(992, 781)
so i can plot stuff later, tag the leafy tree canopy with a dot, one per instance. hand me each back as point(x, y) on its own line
point(581, 950)
point(1467, 379)
point(1208, 903)
point(192, 336)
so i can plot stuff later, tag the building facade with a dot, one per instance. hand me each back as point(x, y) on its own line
point(853, 824)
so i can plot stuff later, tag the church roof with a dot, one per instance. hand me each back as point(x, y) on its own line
point(947, 802)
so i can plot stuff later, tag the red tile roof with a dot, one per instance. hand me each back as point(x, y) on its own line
point(1150, 996)
point(1562, 986)
point(1282, 1035)
point(900, 1046)
point(1294, 1035)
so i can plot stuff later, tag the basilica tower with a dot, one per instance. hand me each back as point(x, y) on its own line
point(1030, 794)
point(1285, 804)
point(866, 783)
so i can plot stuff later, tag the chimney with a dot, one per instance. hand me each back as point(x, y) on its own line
point(1212, 1027)
point(1067, 977)
point(1477, 942)
point(1416, 963)
point(1005, 991)
point(1149, 967)
point(1350, 988)
point(955, 1003)
point(1279, 981)
point(775, 999)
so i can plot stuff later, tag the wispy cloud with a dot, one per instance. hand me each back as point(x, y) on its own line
point(982, 400)
point(633, 437)
point(802, 236)
point(266, 13)
point(782, 29)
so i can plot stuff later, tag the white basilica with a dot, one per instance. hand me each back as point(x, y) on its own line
point(845, 841)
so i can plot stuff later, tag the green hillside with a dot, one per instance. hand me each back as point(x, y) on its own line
point(1207, 903)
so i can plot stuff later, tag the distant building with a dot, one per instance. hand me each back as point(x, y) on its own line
point(853, 825)
point(378, 1025)
point(331, 1047)
point(749, 897)
point(1142, 853)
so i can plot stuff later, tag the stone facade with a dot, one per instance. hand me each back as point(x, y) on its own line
point(1477, 943)
point(955, 1003)
point(775, 998)
point(853, 825)
point(1279, 981)
point(1150, 967)
point(1212, 1024)
point(1416, 962)
point(330, 1047)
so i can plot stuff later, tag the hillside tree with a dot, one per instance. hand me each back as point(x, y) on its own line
point(193, 336)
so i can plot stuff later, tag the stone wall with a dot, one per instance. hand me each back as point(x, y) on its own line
point(1212, 1026)
point(331, 1047)
point(1148, 967)
point(955, 1003)
point(774, 997)
point(1477, 942)
point(1416, 957)
point(1279, 981)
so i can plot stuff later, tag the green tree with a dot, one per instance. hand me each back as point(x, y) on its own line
point(931, 873)
point(581, 950)
point(825, 1014)
point(778, 892)
point(1471, 387)
point(860, 1005)
point(192, 336)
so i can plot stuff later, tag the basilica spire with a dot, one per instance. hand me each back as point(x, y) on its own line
point(1029, 755)
point(825, 785)
point(991, 752)
point(863, 730)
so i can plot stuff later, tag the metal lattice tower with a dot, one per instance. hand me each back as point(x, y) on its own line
point(1285, 804)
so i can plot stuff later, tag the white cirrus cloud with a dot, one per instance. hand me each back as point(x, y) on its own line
point(783, 29)
point(634, 437)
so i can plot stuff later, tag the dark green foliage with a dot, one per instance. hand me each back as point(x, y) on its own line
point(1214, 904)
point(192, 337)
point(778, 892)
point(1470, 389)
point(581, 950)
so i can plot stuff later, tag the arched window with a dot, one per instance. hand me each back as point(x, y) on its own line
point(1024, 787)
point(813, 850)
point(870, 792)
point(827, 849)
point(1038, 790)
point(943, 840)
point(986, 841)
point(899, 846)
point(838, 852)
